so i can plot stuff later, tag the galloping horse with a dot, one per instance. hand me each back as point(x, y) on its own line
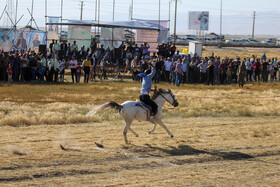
point(130, 111)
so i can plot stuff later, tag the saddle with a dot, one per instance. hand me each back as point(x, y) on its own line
point(145, 107)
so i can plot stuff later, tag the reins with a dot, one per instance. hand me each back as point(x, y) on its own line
point(165, 97)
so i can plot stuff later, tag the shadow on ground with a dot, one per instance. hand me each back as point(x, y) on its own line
point(184, 150)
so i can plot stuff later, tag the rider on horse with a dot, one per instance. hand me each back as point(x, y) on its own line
point(147, 86)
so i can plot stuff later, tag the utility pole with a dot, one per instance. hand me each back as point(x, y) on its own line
point(175, 21)
point(221, 20)
point(95, 16)
point(158, 15)
point(61, 12)
point(16, 13)
point(32, 11)
point(46, 15)
point(254, 19)
point(82, 8)
point(98, 16)
point(169, 20)
point(114, 3)
point(131, 11)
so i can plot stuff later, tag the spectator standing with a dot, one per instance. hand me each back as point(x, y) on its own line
point(179, 72)
point(79, 72)
point(279, 70)
point(264, 67)
point(33, 66)
point(172, 50)
point(74, 47)
point(275, 69)
point(134, 68)
point(63, 49)
point(173, 71)
point(223, 71)
point(159, 67)
point(73, 64)
point(56, 68)
point(257, 69)
point(16, 64)
point(86, 65)
point(145, 49)
point(62, 70)
point(103, 69)
point(203, 68)
point(229, 73)
point(167, 69)
point(23, 67)
point(50, 69)
point(185, 67)
point(56, 47)
point(210, 69)
point(51, 47)
point(68, 54)
point(42, 67)
point(235, 65)
point(217, 71)
point(249, 70)
point(241, 74)
point(10, 73)
point(93, 67)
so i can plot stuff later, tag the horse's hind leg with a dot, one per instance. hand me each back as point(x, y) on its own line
point(125, 132)
point(163, 125)
point(126, 128)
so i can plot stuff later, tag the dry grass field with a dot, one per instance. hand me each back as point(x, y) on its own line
point(233, 52)
point(224, 136)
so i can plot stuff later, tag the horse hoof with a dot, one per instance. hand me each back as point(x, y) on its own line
point(149, 132)
point(137, 135)
point(172, 136)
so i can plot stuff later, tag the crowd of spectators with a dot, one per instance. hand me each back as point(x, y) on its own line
point(171, 66)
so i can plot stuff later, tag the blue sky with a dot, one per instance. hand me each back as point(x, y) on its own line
point(237, 14)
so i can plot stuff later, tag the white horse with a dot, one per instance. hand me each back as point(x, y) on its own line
point(129, 111)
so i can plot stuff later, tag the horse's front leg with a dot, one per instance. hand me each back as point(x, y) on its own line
point(154, 127)
point(163, 125)
point(133, 132)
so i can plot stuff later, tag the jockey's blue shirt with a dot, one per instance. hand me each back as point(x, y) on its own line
point(147, 82)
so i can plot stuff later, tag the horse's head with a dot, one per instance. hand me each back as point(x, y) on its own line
point(168, 96)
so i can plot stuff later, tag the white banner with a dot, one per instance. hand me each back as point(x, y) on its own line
point(111, 38)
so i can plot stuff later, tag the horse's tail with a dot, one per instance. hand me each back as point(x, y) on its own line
point(105, 106)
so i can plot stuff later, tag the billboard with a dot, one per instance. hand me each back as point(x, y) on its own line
point(153, 37)
point(36, 38)
point(53, 29)
point(111, 37)
point(80, 34)
point(199, 20)
point(6, 38)
point(21, 40)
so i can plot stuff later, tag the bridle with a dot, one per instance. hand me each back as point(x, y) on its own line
point(172, 95)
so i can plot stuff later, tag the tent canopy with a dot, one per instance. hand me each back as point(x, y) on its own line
point(137, 24)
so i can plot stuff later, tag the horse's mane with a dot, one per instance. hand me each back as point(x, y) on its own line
point(156, 93)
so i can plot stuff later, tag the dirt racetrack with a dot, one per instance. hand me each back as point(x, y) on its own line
point(224, 136)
